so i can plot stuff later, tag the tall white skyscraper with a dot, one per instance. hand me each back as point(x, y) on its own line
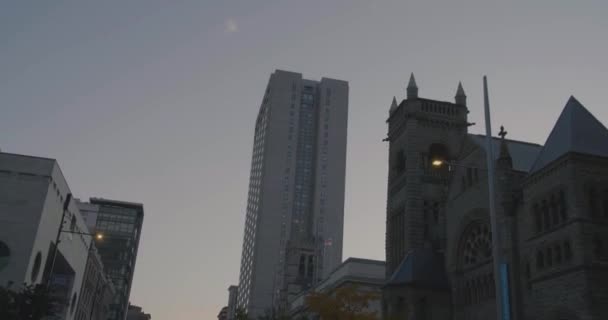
point(295, 208)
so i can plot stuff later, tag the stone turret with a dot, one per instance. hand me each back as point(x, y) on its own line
point(393, 106)
point(412, 88)
point(461, 98)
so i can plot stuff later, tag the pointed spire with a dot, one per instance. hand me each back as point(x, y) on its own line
point(393, 105)
point(412, 88)
point(461, 98)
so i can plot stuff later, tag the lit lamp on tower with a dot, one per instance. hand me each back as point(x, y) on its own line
point(438, 160)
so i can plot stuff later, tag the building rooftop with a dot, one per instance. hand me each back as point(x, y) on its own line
point(116, 202)
point(522, 153)
point(422, 268)
point(352, 269)
point(576, 130)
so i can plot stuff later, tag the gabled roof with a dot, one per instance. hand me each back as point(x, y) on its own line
point(576, 130)
point(421, 268)
point(522, 153)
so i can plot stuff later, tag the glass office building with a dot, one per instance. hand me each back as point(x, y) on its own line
point(120, 223)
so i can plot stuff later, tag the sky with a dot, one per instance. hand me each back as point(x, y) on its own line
point(155, 102)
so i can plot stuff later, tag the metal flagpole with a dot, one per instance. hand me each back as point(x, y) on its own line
point(502, 305)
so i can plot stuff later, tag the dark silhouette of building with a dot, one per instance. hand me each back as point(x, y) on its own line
point(551, 213)
point(136, 313)
point(223, 315)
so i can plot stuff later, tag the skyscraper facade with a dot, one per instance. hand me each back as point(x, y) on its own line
point(295, 206)
point(120, 223)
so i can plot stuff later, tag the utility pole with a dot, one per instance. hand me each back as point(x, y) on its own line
point(500, 269)
point(66, 203)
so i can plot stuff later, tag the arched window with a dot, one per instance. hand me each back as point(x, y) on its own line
point(302, 267)
point(492, 286)
point(558, 254)
point(528, 276)
point(540, 263)
point(605, 203)
point(538, 220)
point(399, 164)
point(476, 244)
point(598, 249)
point(311, 265)
point(567, 251)
point(476, 292)
point(553, 210)
point(546, 216)
point(563, 205)
point(5, 255)
point(482, 288)
point(438, 151)
point(593, 202)
point(486, 286)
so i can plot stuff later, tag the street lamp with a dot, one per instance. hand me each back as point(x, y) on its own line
point(437, 163)
point(94, 236)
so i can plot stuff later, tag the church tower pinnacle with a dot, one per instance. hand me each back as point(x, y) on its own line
point(393, 106)
point(461, 98)
point(412, 88)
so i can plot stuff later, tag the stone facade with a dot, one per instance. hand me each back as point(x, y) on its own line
point(552, 214)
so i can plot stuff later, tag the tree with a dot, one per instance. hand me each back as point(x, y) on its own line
point(32, 302)
point(274, 315)
point(344, 303)
point(241, 314)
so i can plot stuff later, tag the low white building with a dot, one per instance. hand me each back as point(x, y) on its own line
point(367, 275)
point(33, 191)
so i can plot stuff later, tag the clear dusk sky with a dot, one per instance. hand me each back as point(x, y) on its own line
point(155, 102)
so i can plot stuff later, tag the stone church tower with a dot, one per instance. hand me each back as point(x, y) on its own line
point(419, 130)
point(552, 214)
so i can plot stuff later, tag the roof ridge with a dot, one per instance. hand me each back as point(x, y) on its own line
point(576, 130)
point(28, 156)
point(508, 140)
